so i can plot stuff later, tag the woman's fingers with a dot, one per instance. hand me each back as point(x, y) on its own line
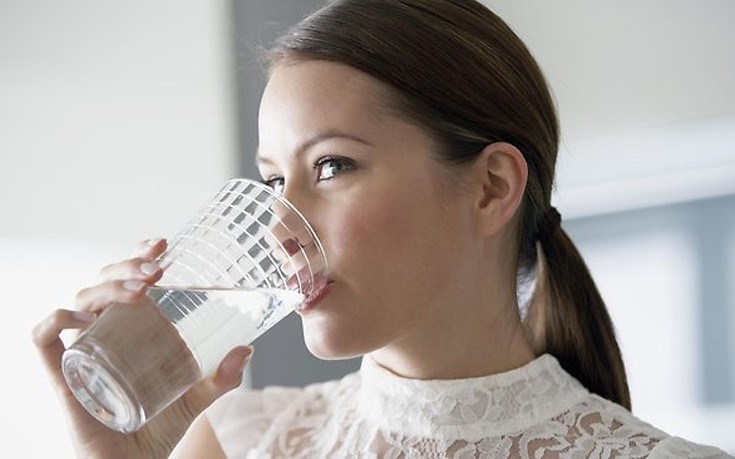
point(141, 265)
point(229, 373)
point(133, 268)
point(99, 296)
point(46, 337)
point(149, 249)
point(47, 331)
point(85, 429)
point(227, 377)
point(127, 282)
point(168, 427)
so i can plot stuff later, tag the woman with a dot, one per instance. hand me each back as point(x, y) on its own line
point(419, 139)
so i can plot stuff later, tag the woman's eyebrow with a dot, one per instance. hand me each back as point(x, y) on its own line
point(314, 140)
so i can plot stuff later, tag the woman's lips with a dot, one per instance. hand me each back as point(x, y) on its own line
point(319, 289)
point(314, 286)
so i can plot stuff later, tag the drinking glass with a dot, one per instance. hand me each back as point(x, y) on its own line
point(242, 264)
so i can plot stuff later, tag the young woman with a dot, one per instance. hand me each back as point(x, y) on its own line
point(419, 139)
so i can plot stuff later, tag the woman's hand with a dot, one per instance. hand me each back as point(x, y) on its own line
point(128, 282)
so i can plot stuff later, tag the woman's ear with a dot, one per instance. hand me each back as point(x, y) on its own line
point(499, 177)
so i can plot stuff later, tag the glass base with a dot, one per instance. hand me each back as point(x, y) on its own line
point(102, 394)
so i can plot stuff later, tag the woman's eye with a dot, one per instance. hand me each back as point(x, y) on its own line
point(327, 168)
point(277, 183)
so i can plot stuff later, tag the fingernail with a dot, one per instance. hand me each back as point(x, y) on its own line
point(154, 241)
point(84, 316)
point(149, 268)
point(133, 285)
point(237, 366)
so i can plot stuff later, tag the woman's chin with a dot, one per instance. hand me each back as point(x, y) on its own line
point(326, 347)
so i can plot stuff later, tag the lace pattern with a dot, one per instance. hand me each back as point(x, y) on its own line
point(469, 409)
point(537, 411)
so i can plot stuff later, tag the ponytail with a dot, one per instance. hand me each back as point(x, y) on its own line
point(568, 318)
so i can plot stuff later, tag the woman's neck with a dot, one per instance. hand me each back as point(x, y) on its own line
point(465, 342)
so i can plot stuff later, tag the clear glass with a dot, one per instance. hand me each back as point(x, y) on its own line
point(246, 261)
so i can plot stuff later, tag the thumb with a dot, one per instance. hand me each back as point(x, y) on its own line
point(227, 377)
point(166, 429)
point(230, 370)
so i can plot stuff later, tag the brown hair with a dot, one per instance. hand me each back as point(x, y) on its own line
point(459, 72)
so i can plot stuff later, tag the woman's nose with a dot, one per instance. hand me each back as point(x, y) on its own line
point(300, 217)
point(296, 236)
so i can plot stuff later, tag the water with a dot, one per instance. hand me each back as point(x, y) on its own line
point(213, 321)
point(136, 359)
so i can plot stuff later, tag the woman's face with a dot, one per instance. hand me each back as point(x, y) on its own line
point(392, 228)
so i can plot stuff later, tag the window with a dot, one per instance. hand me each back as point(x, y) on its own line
point(666, 274)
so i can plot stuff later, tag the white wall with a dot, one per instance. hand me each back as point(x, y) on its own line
point(116, 123)
point(626, 65)
point(645, 97)
point(98, 94)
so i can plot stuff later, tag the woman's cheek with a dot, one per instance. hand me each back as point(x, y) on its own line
point(372, 222)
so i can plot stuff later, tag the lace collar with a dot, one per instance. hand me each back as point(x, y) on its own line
point(468, 409)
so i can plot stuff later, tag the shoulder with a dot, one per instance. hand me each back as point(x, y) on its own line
point(603, 428)
point(250, 404)
point(680, 448)
point(315, 402)
point(242, 418)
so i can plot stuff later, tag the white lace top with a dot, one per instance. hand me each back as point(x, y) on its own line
point(536, 411)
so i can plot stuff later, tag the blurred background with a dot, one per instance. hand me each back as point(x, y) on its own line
point(119, 119)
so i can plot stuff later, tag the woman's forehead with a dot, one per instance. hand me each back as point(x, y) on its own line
point(325, 85)
point(316, 96)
